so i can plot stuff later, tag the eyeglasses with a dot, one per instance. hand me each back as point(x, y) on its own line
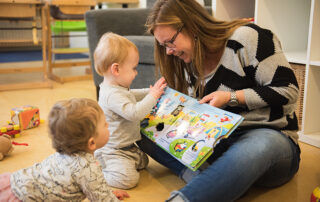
point(170, 43)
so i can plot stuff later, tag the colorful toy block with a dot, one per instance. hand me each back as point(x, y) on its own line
point(26, 116)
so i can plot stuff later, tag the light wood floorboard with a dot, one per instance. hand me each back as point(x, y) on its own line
point(156, 181)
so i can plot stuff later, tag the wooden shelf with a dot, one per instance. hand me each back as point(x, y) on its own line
point(72, 2)
point(17, 41)
point(73, 8)
point(22, 1)
point(20, 10)
point(118, 1)
point(71, 63)
point(69, 50)
point(20, 70)
point(19, 86)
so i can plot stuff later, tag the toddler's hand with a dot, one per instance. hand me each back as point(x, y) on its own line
point(158, 89)
point(120, 194)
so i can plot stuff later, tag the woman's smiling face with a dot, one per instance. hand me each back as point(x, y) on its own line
point(182, 45)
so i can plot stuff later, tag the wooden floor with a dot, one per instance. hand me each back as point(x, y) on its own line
point(156, 181)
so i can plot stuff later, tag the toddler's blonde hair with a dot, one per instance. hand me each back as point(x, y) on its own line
point(72, 123)
point(112, 48)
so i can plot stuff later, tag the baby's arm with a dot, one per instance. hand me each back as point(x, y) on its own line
point(94, 185)
point(158, 89)
point(121, 104)
point(139, 94)
point(120, 194)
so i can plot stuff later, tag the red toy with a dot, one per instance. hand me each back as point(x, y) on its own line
point(11, 130)
point(19, 144)
point(315, 196)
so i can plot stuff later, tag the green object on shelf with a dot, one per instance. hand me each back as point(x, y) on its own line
point(68, 26)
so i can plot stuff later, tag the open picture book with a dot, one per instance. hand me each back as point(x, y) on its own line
point(187, 130)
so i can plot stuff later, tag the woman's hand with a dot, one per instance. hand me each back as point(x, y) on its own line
point(158, 89)
point(120, 194)
point(216, 99)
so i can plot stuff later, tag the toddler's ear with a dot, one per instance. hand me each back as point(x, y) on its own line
point(115, 69)
point(92, 145)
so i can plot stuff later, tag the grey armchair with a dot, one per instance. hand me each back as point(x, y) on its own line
point(128, 22)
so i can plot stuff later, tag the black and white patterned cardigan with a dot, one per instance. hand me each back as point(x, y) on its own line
point(253, 61)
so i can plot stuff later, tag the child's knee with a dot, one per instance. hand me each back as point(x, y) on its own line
point(122, 180)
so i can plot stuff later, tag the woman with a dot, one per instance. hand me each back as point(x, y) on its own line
point(240, 67)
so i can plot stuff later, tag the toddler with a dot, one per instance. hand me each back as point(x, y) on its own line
point(116, 59)
point(77, 128)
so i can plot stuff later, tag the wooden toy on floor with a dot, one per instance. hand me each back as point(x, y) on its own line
point(315, 196)
point(5, 146)
point(26, 116)
point(11, 130)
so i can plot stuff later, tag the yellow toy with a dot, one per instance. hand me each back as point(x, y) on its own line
point(315, 196)
point(11, 130)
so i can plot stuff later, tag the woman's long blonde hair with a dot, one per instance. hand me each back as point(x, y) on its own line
point(209, 34)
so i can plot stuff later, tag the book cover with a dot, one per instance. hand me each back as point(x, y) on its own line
point(186, 129)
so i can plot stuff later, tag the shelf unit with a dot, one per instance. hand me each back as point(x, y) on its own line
point(232, 9)
point(296, 23)
point(278, 16)
point(74, 13)
point(310, 132)
point(26, 10)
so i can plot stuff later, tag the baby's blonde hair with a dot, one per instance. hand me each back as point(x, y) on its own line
point(72, 123)
point(112, 48)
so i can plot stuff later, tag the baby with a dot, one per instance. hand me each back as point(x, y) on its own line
point(116, 59)
point(77, 128)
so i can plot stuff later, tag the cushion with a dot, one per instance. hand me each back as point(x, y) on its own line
point(145, 45)
point(145, 77)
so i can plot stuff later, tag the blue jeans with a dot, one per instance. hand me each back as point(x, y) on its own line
point(264, 157)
